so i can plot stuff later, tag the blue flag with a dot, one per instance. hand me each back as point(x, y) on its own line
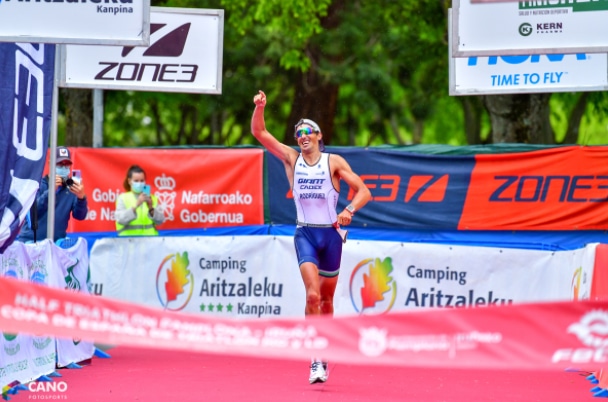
point(26, 90)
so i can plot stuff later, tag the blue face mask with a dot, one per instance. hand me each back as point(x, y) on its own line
point(137, 186)
point(63, 171)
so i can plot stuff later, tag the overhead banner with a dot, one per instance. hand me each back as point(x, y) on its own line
point(561, 188)
point(26, 90)
point(197, 188)
point(494, 75)
point(529, 27)
point(115, 22)
point(184, 55)
point(250, 277)
point(528, 336)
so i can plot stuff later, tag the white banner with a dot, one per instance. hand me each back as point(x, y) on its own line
point(235, 276)
point(185, 55)
point(116, 22)
point(492, 75)
point(529, 27)
point(25, 357)
point(71, 272)
point(257, 276)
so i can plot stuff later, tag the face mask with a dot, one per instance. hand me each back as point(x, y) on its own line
point(137, 186)
point(63, 171)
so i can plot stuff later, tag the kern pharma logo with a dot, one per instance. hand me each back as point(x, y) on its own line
point(372, 288)
point(174, 282)
point(576, 5)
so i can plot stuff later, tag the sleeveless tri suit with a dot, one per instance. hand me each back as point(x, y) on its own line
point(316, 239)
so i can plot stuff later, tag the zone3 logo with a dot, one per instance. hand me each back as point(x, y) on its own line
point(171, 44)
point(420, 188)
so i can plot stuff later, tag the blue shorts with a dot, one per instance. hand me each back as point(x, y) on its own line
point(321, 246)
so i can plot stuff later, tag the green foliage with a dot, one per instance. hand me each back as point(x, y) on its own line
point(388, 59)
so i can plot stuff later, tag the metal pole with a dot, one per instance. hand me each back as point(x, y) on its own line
point(50, 228)
point(98, 118)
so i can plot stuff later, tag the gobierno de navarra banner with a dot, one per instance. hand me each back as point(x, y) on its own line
point(197, 188)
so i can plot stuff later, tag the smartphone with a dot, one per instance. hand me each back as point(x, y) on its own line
point(147, 189)
point(76, 176)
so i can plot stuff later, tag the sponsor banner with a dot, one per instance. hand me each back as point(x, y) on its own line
point(478, 75)
point(26, 90)
point(258, 276)
point(554, 189)
point(527, 336)
point(234, 276)
point(184, 55)
point(529, 27)
point(381, 277)
point(75, 21)
point(561, 188)
point(25, 357)
point(408, 190)
point(71, 270)
point(198, 188)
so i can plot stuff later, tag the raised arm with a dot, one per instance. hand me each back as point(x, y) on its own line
point(258, 128)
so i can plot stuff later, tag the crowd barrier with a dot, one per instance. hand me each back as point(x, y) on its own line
point(25, 357)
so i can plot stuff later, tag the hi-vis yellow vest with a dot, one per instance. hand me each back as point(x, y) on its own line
point(142, 225)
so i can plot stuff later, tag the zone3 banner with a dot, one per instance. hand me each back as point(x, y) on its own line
point(26, 89)
point(557, 188)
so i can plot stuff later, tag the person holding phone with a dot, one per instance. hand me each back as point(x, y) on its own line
point(70, 201)
point(137, 210)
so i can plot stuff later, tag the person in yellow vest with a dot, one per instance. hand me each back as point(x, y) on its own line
point(137, 210)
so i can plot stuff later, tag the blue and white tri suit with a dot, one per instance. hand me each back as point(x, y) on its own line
point(316, 239)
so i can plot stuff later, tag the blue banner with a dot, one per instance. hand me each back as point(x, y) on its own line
point(26, 90)
point(409, 190)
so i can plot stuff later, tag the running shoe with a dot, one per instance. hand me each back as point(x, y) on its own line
point(317, 372)
point(326, 368)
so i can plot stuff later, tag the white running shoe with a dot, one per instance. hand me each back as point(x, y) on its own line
point(317, 372)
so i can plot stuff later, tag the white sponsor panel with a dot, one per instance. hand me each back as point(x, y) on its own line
point(378, 277)
point(529, 27)
point(233, 276)
point(184, 55)
point(509, 74)
point(125, 22)
point(71, 273)
point(477, 75)
point(25, 357)
point(257, 276)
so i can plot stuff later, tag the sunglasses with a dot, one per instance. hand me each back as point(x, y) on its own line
point(304, 131)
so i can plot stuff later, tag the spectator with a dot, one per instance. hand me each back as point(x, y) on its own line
point(70, 200)
point(137, 210)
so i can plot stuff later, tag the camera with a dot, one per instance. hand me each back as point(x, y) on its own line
point(76, 176)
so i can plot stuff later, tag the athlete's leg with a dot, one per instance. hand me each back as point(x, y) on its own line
point(310, 276)
point(328, 288)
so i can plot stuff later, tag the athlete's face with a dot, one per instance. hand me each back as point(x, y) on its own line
point(307, 138)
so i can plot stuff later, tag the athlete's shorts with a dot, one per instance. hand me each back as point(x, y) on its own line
point(321, 246)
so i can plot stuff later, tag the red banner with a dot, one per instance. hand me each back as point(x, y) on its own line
point(524, 336)
point(563, 188)
point(198, 188)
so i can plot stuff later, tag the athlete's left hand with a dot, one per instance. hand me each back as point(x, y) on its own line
point(345, 218)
